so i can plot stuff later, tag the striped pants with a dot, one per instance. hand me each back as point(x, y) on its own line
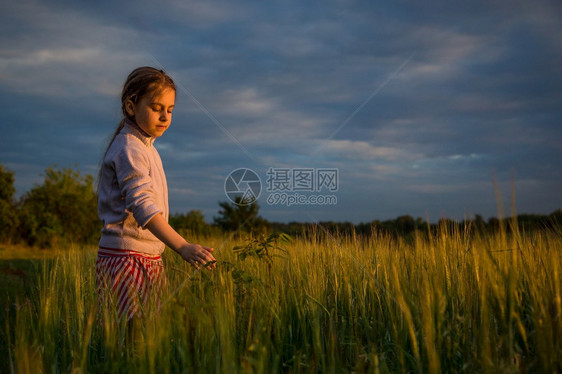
point(129, 283)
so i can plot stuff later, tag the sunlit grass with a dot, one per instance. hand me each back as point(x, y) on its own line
point(451, 301)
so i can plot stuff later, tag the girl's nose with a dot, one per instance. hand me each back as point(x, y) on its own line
point(164, 116)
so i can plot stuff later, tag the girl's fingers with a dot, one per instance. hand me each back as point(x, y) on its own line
point(198, 264)
point(206, 256)
point(208, 261)
point(201, 257)
point(204, 261)
point(210, 264)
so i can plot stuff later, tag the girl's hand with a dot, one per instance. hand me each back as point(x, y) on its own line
point(198, 256)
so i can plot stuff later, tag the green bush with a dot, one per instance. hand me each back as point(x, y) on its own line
point(8, 212)
point(63, 208)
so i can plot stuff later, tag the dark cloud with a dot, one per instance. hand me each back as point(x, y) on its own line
point(418, 106)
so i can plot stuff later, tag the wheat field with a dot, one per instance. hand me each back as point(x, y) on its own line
point(442, 301)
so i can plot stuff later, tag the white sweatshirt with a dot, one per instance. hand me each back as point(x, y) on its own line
point(132, 190)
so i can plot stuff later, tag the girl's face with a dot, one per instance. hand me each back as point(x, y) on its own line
point(153, 114)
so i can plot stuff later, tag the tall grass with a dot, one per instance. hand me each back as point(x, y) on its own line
point(447, 301)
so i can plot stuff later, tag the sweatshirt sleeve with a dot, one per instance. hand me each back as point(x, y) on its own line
point(132, 167)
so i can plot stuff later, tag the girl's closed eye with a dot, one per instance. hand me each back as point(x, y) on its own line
point(156, 108)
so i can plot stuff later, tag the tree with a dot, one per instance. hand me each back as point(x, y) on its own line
point(64, 207)
point(479, 223)
point(493, 224)
point(191, 223)
point(405, 224)
point(239, 217)
point(8, 211)
point(7, 189)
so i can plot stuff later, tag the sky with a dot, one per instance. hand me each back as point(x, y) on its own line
point(424, 110)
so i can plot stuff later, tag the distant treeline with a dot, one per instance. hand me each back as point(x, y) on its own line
point(406, 225)
point(64, 209)
point(245, 219)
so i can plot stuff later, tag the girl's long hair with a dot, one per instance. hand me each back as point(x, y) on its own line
point(142, 81)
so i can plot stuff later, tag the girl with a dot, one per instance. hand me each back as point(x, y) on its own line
point(133, 200)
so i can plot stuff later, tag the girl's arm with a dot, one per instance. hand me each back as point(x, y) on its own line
point(197, 255)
